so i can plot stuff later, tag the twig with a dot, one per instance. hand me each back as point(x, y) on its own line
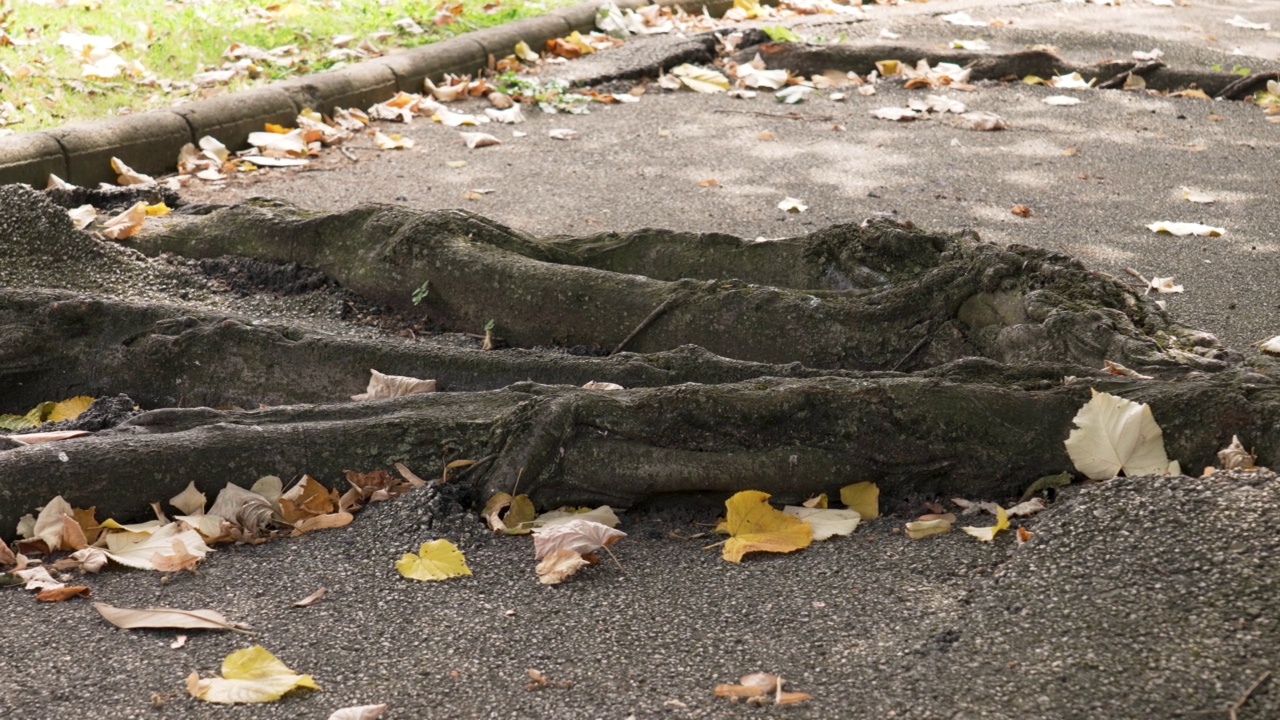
point(657, 312)
point(516, 484)
point(1235, 707)
point(1246, 85)
point(1118, 81)
point(615, 558)
point(913, 350)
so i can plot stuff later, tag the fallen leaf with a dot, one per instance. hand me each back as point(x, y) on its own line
point(52, 527)
point(603, 515)
point(559, 565)
point(756, 526)
point(982, 121)
point(190, 501)
point(1271, 345)
point(393, 386)
point(895, 113)
point(1164, 285)
point(1116, 368)
point(1115, 435)
point(817, 501)
point(509, 116)
point(478, 139)
point(792, 205)
point(1069, 81)
point(963, 19)
point(245, 508)
point(1241, 22)
point(987, 534)
point(177, 560)
point(793, 94)
point(504, 513)
point(178, 643)
point(359, 712)
point(766, 136)
point(394, 141)
point(1196, 196)
point(251, 675)
point(581, 536)
point(927, 525)
point(311, 599)
point(126, 224)
point(1234, 456)
point(863, 498)
point(82, 216)
point(1181, 229)
point(562, 134)
point(166, 618)
point(127, 175)
point(436, 560)
point(1062, 100)
point(825, 522)
point(322, 522)
point(525, 53)
point(1021, 211)
point(63, 593)
point(38, 578)
point(700, 79)
point(1026, 508)
point(140, 550)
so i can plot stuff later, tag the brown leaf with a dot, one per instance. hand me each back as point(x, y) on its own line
point(409, 476)
point(322, 522)
point(311, 599)
point(166, 618)
point(181, 559)
point(63, 593)
point(580, 536)
point(559, 565)
point(1021, 211)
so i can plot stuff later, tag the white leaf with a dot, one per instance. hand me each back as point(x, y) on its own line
point(700, 79)
point(511, 115)
point(49, 523)
point(290, 144)
point(1235, 456)
point(82, 216)
point(91, 559)
point(603, 515)
point(1154, 54)
point(580, 536)
point(278, 162)
point(596, 385)
point(963, 18)
point(139, 550)
point(478, 139)
point(1196, 196)
point(1061, 100)
point(1115, 435)
point(169, 618)
point(1181, 229)
point(1240, 22)
point(753, 77)
point(895, 113)
point(359, 712)
point(826, 522)
point(562, 134)
point(1164, 285)
point(742, 94)
point(127, 175)
point(38, 578)
point(981, 121)
point(1070, 81)
point(970, 45)
point(794, 205)
point(1026, 509)
point(190, 501)
point(449, 118)
point(1270, 345)
point(393, 386)
point(391, 142)
point(793, 94)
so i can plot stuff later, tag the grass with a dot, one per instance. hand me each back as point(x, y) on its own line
point(168, 43)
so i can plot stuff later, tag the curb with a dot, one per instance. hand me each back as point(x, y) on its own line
point(149, 142)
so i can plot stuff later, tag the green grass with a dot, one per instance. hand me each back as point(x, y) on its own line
point(41, 82)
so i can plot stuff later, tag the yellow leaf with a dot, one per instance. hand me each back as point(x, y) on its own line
point(272, 127)
point(756, 526)
point(863, 497)
point(927, 525)
point(70, 409)
point(751, 8)
point(987, 534)
point(251, 675)
point(158, 210)
point(700, 79)
point(436, 560)
point(525, 53)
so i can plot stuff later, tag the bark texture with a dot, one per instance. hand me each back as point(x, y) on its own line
point(928, 363)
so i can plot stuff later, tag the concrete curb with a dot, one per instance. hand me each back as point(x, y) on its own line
point(149, 142)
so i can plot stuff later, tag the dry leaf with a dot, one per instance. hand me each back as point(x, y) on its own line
point(251, 675)
point(1234, 456)
point(511, 515)
point(603, 515)
point(1061, 100)
point(793, 205)
point(1115, 435)
point(581, 536)
point(895, 113)
point(359, 712)
point(1164, 285)
point(391, 142)
point(1271, 345)
point(190, 501)
point(863, 497)
point(179, 559)
point(126, 224)
point(1021, 211)
point(63, 593)
point(322, 522)
point(436, 560)
point(1026, 508)
point(700, 79)
point(82, 216)
point(981, 121)
point(311, 599)
point(825, 522)
point(562, 134)
point(1181, 229)
point(393, 386)
point(987, 534)
point(127, 175)
point(141, 550)
point(245, 508)
point(559, 565)
point(166, 618)
point(755, 526)
point(178, 643)
point(478, 140)
point(1196, 196)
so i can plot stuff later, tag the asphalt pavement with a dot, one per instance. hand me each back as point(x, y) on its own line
point(1136, 598)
